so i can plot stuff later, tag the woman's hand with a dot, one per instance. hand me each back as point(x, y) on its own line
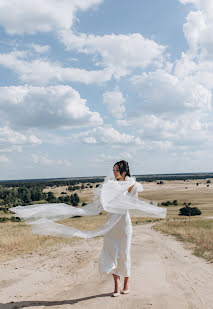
point(130, 188)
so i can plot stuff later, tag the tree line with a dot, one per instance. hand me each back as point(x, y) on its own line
point(12, 197)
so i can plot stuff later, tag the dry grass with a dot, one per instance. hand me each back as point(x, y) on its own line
point(17, 239)
point(194, 231)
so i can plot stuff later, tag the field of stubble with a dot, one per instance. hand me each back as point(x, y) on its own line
point(196, 232)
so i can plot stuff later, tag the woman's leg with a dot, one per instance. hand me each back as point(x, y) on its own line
point(126, 283)
point(117, 283)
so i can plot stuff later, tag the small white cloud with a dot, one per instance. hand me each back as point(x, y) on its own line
point(112, 157)
point(44, 160)
point(40, 49)
point(9, 137)
point(106, 135)
point(114, 101)
point(90, 140)
point(4, 159)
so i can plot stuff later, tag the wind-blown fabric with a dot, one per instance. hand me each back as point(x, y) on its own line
point(112, 196)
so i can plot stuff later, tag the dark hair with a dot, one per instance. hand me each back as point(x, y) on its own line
point(123, 167)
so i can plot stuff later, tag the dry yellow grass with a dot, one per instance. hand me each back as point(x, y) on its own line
point(16, 237)
point(194, 231)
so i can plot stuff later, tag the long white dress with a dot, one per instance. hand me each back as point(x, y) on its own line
point(111, 196)
point(115, 255)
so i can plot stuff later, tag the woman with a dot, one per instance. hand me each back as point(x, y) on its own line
point(115, 254)
point(118, 196)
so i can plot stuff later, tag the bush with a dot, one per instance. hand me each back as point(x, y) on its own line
point(166, 203)
point(84, 204)
point(160, 182)
point(4, 219)
point(15, 219)
point(189, 211)
point(208, 181)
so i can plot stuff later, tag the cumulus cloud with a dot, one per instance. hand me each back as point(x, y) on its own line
point(199, 27)
point(106, 135)
point(120, 53)
point(114, 101)
point(9, 137)
point(44, 160)
point(46, 107)
point(41, 71)
point(24, 16)
point(187, 132)
point(164, 93)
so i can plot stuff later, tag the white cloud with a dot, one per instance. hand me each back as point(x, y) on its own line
point(46, 107)
point(106, 135)
point(114, 101)
point(9, 137)
point(120, 53)
point(26, 16)
point(164, 93)
point(112, 157)
point(187, 131)
point(41, 71)
point(4, 159)
point(11, 148)
point(44, 160)
point(40, 49)
point(199, 27)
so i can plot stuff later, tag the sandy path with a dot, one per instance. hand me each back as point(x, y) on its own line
point(164, 275)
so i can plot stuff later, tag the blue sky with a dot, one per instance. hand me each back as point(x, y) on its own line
point(87, 83)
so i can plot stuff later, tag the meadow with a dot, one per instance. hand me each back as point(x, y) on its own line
point(196, 232)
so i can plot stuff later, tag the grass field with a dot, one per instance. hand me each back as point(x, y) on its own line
point(196, 234)
point(17, 239)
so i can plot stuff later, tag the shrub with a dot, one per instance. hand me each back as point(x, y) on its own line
point(4, 219)
point(83, 204)
point(15, 219)
point(166, 203)
point(189, 211)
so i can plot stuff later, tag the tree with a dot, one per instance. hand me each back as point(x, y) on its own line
point(51, 197)
point(189, 211)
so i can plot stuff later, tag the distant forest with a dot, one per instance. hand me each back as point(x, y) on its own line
point(29, 191)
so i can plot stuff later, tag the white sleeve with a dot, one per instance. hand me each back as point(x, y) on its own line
point(138, 187)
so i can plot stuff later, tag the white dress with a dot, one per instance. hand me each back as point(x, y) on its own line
point(114, 198)
point(115, 255)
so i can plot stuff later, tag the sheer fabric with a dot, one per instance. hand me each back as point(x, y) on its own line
point(111, 195)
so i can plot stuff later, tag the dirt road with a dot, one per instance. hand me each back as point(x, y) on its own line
point(164, 276)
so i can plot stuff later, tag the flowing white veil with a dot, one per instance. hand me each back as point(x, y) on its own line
point(111, 195)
